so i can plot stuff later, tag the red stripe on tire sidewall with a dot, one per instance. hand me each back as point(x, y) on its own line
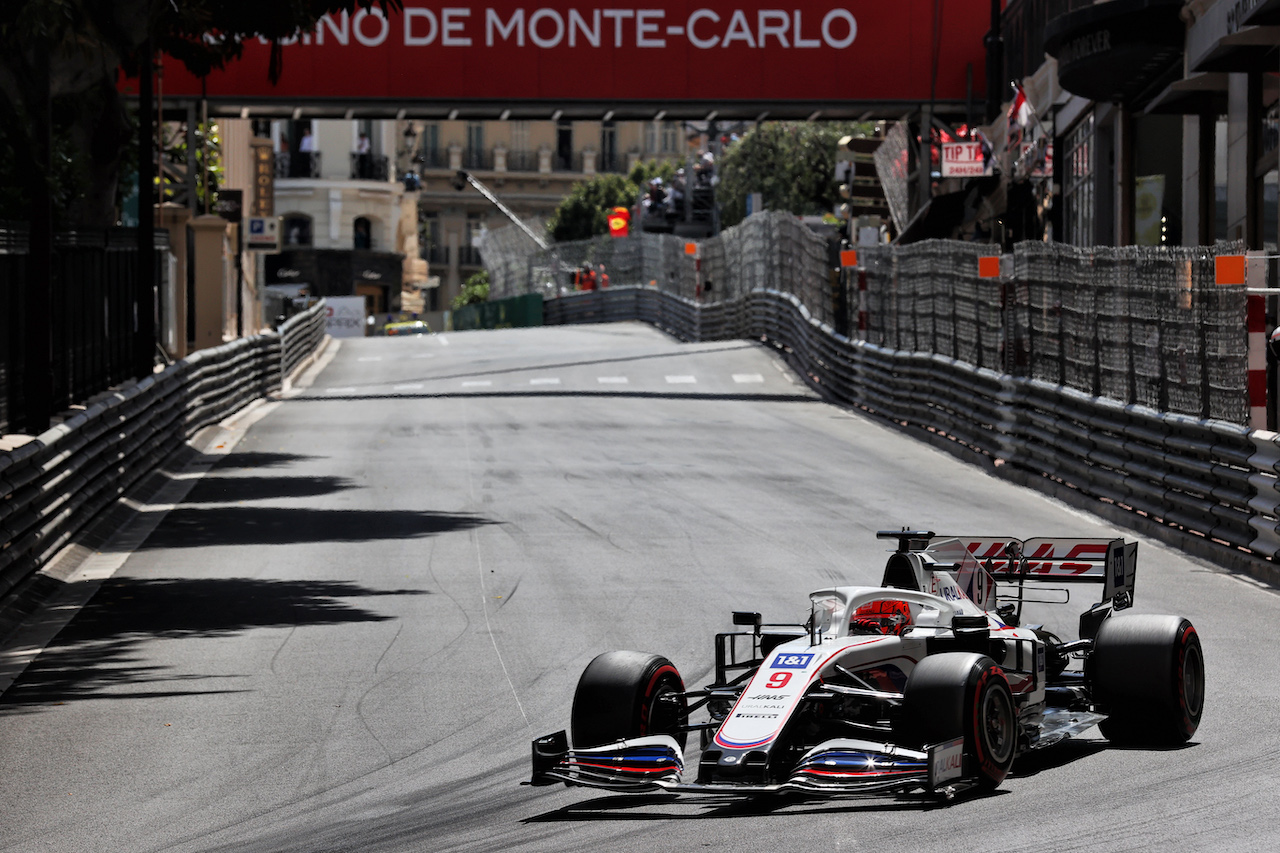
point(984, 760)
point(648, 694)
point(1183, 642)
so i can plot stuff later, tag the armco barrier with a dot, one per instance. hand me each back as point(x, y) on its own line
point(1216, 480)
point(53, 485)
point(300, 336)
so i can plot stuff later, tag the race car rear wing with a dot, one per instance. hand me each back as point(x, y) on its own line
point(971, 559)
point(1111, 562)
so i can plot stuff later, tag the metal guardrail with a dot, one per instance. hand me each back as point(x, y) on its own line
point(51, 487)
point(1215, 479)
point(300, 336)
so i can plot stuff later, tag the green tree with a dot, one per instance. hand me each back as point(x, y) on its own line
point(791, 164)
point(474, 290)
point(68, 52)
point(646, 170)
point(584, 213)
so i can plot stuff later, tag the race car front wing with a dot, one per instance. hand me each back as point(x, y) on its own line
point(844, 767)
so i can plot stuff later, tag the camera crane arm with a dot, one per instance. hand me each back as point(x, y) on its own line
point(463, 177)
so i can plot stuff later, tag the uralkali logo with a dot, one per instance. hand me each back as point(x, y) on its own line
point(548, 28)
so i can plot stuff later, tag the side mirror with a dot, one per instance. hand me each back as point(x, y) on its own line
point(744, 617)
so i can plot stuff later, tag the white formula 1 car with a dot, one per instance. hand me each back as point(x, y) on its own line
point(925, 683)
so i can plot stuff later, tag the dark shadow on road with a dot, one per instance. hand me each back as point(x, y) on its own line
point(99, 652)
point(1053, 757)
point(636, 395)
point(254, 459)
point(258, 525)
point(214, 489)
point(178, 607)
point(628, 808)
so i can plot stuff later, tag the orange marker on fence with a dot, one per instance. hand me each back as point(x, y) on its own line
point(1229, 269)
point(849, 257)
point(989, 267)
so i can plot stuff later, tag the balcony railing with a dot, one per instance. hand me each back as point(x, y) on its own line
point(469, 256)
point(566, 163)
point(303, 164)
point(477, 158)
point(522, 161)
point(369, 167)
point(433, 158)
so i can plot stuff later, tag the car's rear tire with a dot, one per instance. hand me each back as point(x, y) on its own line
point(962, 694)
point(625, 695)
point(1147, 674)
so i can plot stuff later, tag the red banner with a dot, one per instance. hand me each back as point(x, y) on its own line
point(673, 51)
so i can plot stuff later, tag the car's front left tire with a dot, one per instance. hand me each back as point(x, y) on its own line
point(624, 695)
point(962, 694)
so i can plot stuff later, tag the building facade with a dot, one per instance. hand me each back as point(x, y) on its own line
point(1159, 117)
point(348, 227)
point(382, 194)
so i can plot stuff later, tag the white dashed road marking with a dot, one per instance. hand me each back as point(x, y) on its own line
point(413, 386)
point(681, 380)
point(476, 383)
point(340, 390)
point(544, 381)
point(612, 380)
point(747, 377)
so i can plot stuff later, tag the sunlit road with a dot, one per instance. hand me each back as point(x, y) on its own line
point(348, 632)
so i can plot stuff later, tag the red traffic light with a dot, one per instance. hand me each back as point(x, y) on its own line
point(619, 222)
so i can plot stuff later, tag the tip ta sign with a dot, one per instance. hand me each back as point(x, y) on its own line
point(967, 160)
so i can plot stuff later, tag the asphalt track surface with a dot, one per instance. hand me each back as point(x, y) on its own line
point(347, 633)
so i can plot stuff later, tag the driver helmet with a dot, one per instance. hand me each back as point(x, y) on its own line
point(883, 616)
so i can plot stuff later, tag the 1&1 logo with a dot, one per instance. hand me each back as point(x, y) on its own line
point(791, 661)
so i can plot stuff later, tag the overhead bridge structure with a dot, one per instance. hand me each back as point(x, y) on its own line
point(748, 60)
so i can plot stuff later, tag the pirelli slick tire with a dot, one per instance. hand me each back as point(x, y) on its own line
point(962, 694)
point(1147, 674)
point(625, 695)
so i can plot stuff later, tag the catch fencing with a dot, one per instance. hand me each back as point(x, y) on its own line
point(767, 251)
point(53, 485)
point(1119, 374)
point(1134, 324)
